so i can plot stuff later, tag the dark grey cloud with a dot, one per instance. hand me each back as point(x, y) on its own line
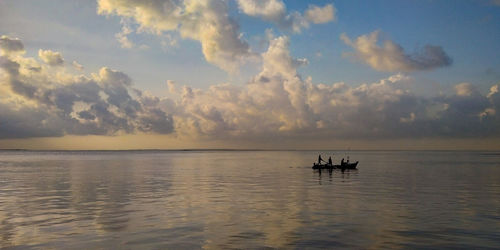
point(11, 67)
point(8, 45)
point(25, 122)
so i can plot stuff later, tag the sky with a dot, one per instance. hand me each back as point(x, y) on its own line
point(267, 74)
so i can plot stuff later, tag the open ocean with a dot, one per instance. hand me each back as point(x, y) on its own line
point(248, 200)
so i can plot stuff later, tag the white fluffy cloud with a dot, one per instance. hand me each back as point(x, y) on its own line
point(50, 57)
point(271, 10)
point(392, 57)
point(206, 21)
point(275, 11)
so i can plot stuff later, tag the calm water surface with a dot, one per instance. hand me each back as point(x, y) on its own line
point(266, 199)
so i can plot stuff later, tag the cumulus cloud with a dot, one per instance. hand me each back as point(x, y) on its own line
point(278, 106)
point(276, 103)
point(392, 57)
point(208, 22)
point(268, 9)
point(10, 45)
point(277, 59)
point(317, 14)
point(50, 57)
point(37, 102)
point(275, 11)
point(204, 21)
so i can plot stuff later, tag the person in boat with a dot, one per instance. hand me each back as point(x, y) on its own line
point(330, 161)
point(319, 160)
point(342, 161)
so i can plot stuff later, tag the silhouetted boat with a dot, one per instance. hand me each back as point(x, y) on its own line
point(345, 165)
point(348, 165)
point(324, 166)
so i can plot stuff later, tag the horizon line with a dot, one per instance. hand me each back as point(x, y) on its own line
point(229, 149)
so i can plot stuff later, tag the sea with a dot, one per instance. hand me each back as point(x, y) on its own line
point(225, 199)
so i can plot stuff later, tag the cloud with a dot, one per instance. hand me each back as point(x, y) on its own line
point(204, 21)
point(317, 14)
point(494, 97)
point(277, 59)
point(279, 107)
point(208, 22)
point(465, 89)
point(276, 104)
point(275, 11)
point(37, 102)
point(271, 10)
point(77, 66)
point(50, 57)
point(25, 122)
point(11, 67)
point(9, 45)
point(123, 39)
point(392, 57)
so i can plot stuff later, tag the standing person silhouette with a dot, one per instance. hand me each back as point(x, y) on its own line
point(319, 160)
point(330, 160)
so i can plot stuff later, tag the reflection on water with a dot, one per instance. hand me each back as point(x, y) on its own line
point(150, 199)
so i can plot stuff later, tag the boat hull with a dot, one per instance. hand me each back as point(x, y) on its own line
point(341, 166)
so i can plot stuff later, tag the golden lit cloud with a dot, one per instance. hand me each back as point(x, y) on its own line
point(204, 21)
point(50, 57)
point(275, 11)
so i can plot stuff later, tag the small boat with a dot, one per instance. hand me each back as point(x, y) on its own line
point(348, 165)
point(323, 166)
point(344, 165)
